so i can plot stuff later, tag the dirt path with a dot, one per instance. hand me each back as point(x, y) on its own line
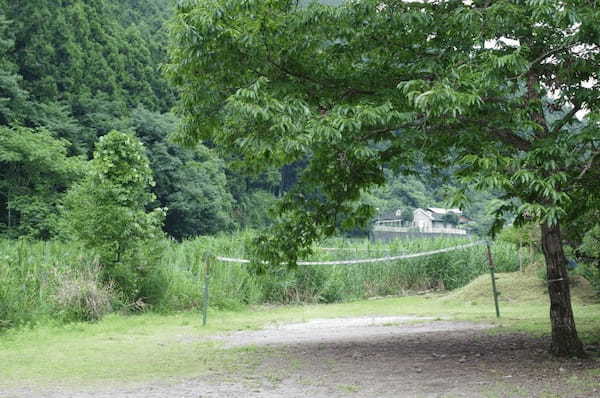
point(340, 330)
point(377, 357)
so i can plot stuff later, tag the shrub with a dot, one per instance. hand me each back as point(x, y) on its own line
point(81, 296)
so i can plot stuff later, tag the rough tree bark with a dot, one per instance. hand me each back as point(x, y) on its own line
point(565, 342)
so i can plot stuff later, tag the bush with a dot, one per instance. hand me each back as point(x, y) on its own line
point(524, 235)
point(81, 296)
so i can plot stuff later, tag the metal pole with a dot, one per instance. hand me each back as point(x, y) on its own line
point(495, 292)
point(520, 259)
point(208, 262)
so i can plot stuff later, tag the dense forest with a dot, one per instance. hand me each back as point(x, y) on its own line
point(72, 71)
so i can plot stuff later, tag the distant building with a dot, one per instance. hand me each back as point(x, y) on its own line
point(438, 220)
point(426, 222)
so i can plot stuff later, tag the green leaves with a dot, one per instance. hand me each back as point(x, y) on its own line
point(65, 51)
point(120, 159)
point(34, 173)
point(442, 99)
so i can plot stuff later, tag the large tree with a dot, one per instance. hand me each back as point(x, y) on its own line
point(491, 87)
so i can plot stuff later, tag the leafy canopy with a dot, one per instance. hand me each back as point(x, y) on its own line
point(491, 88)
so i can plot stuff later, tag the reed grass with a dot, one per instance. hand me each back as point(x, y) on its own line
point(33, 274)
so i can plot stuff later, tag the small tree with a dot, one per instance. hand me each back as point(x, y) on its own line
point(107, 212)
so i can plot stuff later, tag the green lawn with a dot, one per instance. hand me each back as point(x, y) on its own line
point(151, 346)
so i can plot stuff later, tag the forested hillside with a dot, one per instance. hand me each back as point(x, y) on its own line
point(72, 71)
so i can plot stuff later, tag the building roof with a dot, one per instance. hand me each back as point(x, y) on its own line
point(437, 213)
point(441, 211)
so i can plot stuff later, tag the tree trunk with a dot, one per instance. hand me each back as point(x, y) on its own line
point(565, 342)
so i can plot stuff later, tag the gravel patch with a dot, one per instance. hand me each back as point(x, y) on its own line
point(337, 330)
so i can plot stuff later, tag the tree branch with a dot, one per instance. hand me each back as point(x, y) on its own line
point(506, 136)
point(588, 166)
point(567, 118)
point(369, 134)
point(510, 138)
point(545, 55)
point(532, 97)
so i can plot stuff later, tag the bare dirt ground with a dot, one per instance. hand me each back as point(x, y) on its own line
point(376, 357)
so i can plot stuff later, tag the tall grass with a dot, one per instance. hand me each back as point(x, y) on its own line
point(34, 282)
point(348, 282)
point(233, 285)
point(52, 280)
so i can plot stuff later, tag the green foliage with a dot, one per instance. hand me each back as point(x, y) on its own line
point(591, 243)
point(202, 205)
point(34, 173)
point(102, 74)
point(69, 49)
point(13, 99)
point(254, 195)
point(403, 192)
point(590, 253)
point(107, 213)
point(81, 69)
point(254, 209)
point(190, 183)
point(524, 235)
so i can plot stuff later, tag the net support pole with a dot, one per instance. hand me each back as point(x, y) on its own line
point(208, 261)
point(495, 291)
point(520, 258)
